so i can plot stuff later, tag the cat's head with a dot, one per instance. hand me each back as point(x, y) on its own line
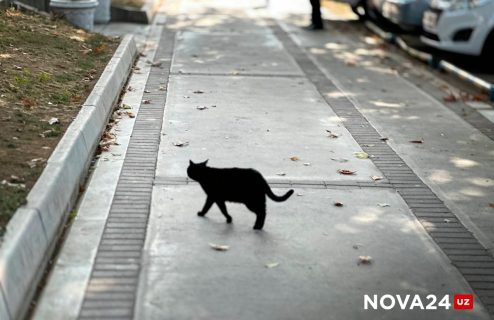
point(194, 170)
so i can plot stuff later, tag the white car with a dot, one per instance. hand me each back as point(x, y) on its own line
point(461, 26)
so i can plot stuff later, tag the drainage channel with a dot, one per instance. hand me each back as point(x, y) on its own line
point(464, 250)
point(114, 278)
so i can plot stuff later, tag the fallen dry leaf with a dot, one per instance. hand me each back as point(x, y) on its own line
point(338, 204)
point(15, 179)
point(281, 174)
point(198, 92)
point(361, 155)
point(417, 141)
point(351, 63)
point(332, 135)
point(307, 164)
point(28, 103)
point(491, 205)
point(384, 139)
point(357, 246)
point(162, 88)
point(219, 247)
point(13, 185)
point(53, 121)
point(147, 91)
point(342, 160)
point(376, 178)
point(450, 98)
point(201, 107)
point(272, 265)
point(125, 106)
point(180, 144)
point(383, 205)
point(295, 158)
point(130, 114)
point(364, 260)
point(146, 101)
point(345, 171)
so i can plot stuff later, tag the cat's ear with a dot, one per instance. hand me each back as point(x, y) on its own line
point(205, 162)
point(190, 162)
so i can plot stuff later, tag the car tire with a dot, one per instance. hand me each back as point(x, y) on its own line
point(360, 10)
point(488, 49)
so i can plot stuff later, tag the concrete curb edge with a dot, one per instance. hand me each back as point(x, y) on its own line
point(433, 61)
point(33, 231)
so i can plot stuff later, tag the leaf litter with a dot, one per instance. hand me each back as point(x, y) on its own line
point(219, 247)
point(180, 143)
point(364, 260)
point(361, 155)
point(346, 171)
point(332, 135)
point(53, 121)
point(272, 265)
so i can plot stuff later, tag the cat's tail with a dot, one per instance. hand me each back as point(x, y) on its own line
point(276, 198)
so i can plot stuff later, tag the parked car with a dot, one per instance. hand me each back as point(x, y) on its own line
point(461, 26)
point(374, 8)
point(405, 13)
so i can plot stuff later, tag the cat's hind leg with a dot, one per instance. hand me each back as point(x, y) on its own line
point(260, 211)
point(207, 206)
point(222, 206)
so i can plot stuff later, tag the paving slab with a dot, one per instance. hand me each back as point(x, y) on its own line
point(258, 122)
point(197, 52)
point(318, 276)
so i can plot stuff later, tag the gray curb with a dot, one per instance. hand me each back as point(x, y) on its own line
point(433, 61)
point(34, 229)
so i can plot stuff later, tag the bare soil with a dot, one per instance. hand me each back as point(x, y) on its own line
point(128, 3)
point(47, 69)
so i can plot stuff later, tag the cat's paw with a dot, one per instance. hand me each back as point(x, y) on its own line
point(257, 228)
point(200, 214)
point(229, 220)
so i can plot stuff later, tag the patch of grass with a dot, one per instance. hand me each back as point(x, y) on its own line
point(47, 69)
point(85, 64)
point(44, 76)
point(64, 77)
point(10, 199)
point(61, 97)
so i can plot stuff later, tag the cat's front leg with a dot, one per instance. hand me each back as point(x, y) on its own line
point(207, 206)
point(222, 206)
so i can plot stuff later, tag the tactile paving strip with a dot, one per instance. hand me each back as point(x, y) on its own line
point(113, 282)
point(463, 249)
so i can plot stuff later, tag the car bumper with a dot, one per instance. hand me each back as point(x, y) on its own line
point(439, 28)
point(408, 14)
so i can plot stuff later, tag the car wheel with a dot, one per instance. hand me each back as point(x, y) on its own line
point(488, 49)
point(360, 10)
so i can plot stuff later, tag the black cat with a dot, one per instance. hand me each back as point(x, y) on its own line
point(246, 186)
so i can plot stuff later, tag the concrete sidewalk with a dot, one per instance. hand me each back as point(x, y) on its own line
point(138, 250)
